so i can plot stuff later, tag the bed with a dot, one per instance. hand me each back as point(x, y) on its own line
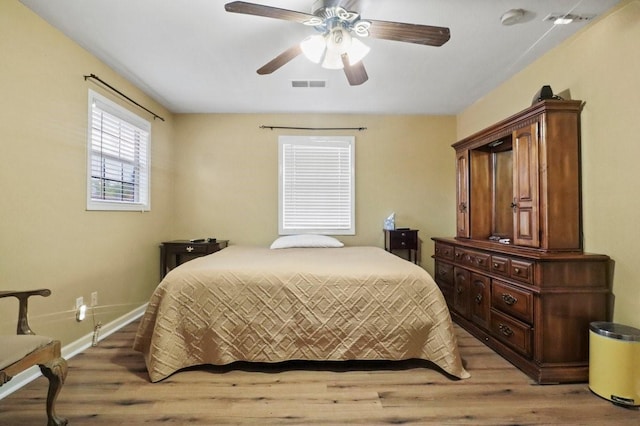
point(258, 304)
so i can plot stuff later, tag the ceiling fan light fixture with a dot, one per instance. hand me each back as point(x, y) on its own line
point(337, 47)
point(313, 47)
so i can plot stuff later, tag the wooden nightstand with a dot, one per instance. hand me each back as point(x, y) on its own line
point(177, 252)
point(402, 239)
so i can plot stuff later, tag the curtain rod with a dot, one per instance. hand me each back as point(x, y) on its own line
point(314, 128)
point(95, 77)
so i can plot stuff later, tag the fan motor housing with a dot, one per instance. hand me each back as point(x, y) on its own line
point(319, 6)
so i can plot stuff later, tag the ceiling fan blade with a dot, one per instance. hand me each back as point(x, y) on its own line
point(356, 74)
point(280, 60)
point(410, 33)
point(266, 11)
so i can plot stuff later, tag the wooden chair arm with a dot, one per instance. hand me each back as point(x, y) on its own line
point(23, 297)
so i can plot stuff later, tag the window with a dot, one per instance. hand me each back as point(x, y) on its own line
point(118, 157)
point(316, 185)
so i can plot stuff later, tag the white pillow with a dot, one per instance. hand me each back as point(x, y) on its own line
point(306, 240)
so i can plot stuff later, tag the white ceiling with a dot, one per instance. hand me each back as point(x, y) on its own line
point(194, 57)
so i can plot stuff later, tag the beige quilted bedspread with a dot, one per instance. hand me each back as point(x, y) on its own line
point(256, 304)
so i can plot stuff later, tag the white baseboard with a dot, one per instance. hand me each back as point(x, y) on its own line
point(72, 349)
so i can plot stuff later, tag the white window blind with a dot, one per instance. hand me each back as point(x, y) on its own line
point(118, 163)
point(316, 185)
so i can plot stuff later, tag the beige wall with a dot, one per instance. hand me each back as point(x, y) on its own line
point(601, 66)
point(227, 175)
point(47, 237)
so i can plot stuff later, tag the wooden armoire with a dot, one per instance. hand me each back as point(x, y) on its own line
point(515, 274)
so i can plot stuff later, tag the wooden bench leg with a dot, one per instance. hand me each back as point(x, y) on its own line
point(56, 371)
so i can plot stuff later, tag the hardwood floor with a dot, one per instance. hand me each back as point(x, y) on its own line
point(108, 384)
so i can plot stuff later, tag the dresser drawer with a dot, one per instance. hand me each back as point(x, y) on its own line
point(403, 240)
point(444, 250)
point(512, 332)
point(521, 270)
point(444, 272)
point(474, 259)
point(500, 265)
point(188, 248)
point(444, 279)
point(511, 300)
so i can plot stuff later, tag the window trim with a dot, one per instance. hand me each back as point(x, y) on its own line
point(125, 115)
point(310, 140)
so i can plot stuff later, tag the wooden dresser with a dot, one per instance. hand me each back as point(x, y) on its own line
point(515, 275)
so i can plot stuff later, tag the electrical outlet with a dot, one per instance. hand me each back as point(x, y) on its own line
point(79, 302)
point(94, 298)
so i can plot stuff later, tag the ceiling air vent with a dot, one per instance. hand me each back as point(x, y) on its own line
point(308, 83)
point(567, 18)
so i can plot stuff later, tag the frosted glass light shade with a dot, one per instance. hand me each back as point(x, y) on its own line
point(313, 47)
point(332, 60)
point(357, 51)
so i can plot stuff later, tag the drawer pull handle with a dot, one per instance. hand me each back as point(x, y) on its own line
point(437, 250)
point(458, 255)
point(479, 261)
point(495, 266)
point(403, 243)
point(516, 270)
point(505, 330)
point(459, 290)
point(509, 299)
point(189, 249)
point(478, 298)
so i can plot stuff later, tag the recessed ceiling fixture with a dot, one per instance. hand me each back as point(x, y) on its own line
point(336, 44)
point(512, 16)
point(568, 18)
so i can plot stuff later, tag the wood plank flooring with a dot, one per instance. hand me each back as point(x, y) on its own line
point(108, 385)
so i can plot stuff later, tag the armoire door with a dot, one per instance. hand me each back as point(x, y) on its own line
point(462, 191)
point(526, 187)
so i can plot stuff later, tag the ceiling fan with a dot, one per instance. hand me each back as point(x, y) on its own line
point(336, 45)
